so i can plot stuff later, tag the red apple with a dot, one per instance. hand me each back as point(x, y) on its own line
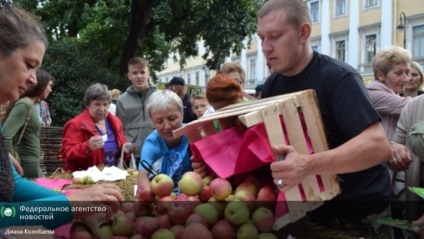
point(164, 221)
point(127, 207)
point(162, 185)
point(263, 219)
point(246, 196)
point(249, 186)
point(223, 230)
point(145, 194)
point(196, 231)
point(163, 203)
point(266, 196)
point(79, 231)
point(220, 188)
point(205, 194)
point(178, 212)
point(178, 231)
point(148, 226)
point(197, 218)
point(142, 209)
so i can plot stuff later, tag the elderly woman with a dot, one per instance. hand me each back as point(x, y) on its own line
point(391, 66)
point(22, 126)
point(413, 87)
point(161, 152)
point(95, 136)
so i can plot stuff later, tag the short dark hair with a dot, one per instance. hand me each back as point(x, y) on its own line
point(176, 80)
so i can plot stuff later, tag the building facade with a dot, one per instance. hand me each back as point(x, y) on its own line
point(349, 30)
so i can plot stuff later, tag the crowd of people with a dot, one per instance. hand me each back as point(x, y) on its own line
point(374, 132)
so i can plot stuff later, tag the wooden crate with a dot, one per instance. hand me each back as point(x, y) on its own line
point(292, 107)
point(50, 144)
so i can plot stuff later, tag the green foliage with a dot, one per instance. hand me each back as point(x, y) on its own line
point(75, 66)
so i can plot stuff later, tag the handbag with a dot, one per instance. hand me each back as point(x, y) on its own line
point(15, 148)
point(122, 165)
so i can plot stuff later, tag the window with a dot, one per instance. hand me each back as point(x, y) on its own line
point(370, 3)
point(340, 7)
point(418, 42)
point(207, 75)
point(197, 77)
point(370, 47)
point(315, 11)
point(252, 69)
point(341, 50)
point(188, 78)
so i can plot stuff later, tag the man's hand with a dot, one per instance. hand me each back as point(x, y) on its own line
point(291, 170)
point(420, 223)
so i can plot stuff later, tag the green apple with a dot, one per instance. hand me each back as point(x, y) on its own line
point(190, 183)
point(267, 235)
point(208, 212)
point(247, 231)
point(87, 180)
point(122, 226)
point(163, 233)
point(263, 218)
point(106, 231)
point(237, 212)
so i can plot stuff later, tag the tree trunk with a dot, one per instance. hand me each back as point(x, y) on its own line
point(140, 12)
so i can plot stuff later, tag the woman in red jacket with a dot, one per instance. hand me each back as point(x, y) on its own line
point(95, 136)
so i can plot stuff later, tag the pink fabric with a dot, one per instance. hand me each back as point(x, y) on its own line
point(54, 184)
point(63, 232)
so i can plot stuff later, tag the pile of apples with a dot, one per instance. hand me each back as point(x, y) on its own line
point(205, 208)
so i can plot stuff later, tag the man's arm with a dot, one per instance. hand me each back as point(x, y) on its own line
point(366, 150)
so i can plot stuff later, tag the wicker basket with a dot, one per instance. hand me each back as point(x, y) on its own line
point(50, 144)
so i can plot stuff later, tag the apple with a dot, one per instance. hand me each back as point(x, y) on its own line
point(181, 197)
point(207, 180)
point(178, 231)
point(223, 230)
point(137, 224)
point(164, 221)
point(148, 226)
point(249, 186)
point(196, 231)
point(136, 237)
point(122, 226)
point(178, 213)
point(127, 207)
point(219, 206)
point(205, 194)
point(79, 231)
point(190, 183)
point(220, 188)
point(162, 185)
point(237, 212)
point(145, 194)
point(246, 196)
point(263, 219)
point(87, 180)
point(142, 209)
point(266, 196)
point(119, 237)
point(247, 231)
point(77, 181)
point(197, 218)
point(163, 233)
point(106, 231)
point(267, 235)
point(163, 204)
point(131, 215)
point(253, 180)
point(208, 212)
